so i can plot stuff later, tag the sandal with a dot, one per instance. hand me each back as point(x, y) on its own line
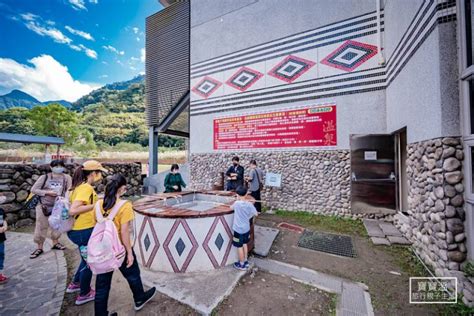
point(58, 246)
point(36, 253)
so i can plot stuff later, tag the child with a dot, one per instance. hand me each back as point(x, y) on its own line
point(115, 188)
point(3, 229)
point(244, 211)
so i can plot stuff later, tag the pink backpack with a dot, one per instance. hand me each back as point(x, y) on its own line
point(105, 252)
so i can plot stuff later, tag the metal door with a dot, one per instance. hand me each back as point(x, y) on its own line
point(373, 178)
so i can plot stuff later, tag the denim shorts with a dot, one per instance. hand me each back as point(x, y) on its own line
point(240, 240)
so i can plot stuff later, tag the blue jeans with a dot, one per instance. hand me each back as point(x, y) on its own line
point(103, 281)
point(2, 254)
point(83, 274)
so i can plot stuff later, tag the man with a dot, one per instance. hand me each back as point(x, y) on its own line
point(235, 175)
point(255, 180)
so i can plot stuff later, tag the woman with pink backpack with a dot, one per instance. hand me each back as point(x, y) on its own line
point(121, 213)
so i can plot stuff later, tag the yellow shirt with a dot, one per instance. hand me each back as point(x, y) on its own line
point(124, 215)
point(84, 193)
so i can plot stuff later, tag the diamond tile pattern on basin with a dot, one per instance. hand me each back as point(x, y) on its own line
point(329, 243)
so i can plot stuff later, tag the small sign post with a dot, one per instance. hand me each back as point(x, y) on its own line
point(272, 180)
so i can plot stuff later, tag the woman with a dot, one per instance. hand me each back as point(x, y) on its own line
point(48, 187)
point(82, 198)
point(255, 181)
point(116, 187)
point(173, 180)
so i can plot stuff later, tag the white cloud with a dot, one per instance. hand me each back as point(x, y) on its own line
point(103, 76)
point(45, 79)
point(133, 68)
point(114, 50)
point(36, 24)
point(105, 63)
point(134, 59)
point(89, 52)
point(82, 34)
point(94, 1)
point(142, 55)
point(51, 32)
point(138, 39)
point(29, 16)
point(135, 30)
point(78, 4)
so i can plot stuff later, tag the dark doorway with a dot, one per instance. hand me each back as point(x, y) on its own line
point(373, 174)
point(401, 165)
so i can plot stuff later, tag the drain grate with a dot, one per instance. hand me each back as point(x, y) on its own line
point(330, 243)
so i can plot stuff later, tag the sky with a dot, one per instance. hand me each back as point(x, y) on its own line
point(63, 49)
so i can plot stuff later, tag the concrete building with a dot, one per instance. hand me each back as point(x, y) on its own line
point(363, 108)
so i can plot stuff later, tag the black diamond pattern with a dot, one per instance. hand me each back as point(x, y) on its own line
point(219, 241)
point(180, 246)
point(147, 242)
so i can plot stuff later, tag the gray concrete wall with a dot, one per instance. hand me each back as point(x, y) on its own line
point(398, 16)
point(414, 98)
point(364, 114)
point(224, 26)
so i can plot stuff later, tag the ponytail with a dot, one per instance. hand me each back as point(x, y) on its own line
point(79, 177)
point(110, 197)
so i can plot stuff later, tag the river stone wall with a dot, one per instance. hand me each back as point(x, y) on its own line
point(435, 220)
point(316, 181)
point(16, 181)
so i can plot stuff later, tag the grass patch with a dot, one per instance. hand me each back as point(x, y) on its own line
point(405, 259)
point(332, 304)
point(334, 224)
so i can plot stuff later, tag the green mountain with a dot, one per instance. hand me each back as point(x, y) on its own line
point(127, 96)
point(18, 98)
point(114, 113)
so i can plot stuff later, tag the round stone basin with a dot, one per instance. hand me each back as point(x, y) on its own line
point(185, 232)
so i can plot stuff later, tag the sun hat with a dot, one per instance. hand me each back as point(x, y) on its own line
point(93, 165)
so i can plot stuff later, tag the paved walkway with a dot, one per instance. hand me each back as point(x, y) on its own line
point(36, 287)
point(353, 298)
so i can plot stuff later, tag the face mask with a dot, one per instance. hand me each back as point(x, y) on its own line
point(57, 169)
point(98, 177)
point(235, 164)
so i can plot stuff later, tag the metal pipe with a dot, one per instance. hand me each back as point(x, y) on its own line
point(379, 33)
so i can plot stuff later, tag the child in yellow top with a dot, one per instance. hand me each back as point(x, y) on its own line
point(116, 187)
point(83, 197)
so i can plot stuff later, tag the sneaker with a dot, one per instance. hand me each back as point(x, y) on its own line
point(3, 279)
point(146, 298)
point(80, 300)
point(246, 264)
point(73, 287)
point(239, 266)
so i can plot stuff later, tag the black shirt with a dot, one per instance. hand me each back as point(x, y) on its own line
point(2, 235)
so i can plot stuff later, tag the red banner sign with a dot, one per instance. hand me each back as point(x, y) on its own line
point(307, 127)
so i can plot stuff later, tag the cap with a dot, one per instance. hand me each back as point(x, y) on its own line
point(92, 165)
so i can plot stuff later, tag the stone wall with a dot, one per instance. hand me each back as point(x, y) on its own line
point(16, 181)
point(436, 207)
point(316, 181)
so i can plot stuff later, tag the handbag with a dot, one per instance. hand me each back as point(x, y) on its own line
point(260, 183)
point(34, 199)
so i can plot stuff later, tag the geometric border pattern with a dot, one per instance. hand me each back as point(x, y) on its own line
point(148, 263)
point(334, 59)
point(253, 76)
point(211, 81)
point(290, 61)
point(205, 243)
point(191, 237)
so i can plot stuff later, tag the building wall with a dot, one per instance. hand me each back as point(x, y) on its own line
point(226, 26)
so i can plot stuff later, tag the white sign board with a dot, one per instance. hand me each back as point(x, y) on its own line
point(370, 155)
point(273, 179)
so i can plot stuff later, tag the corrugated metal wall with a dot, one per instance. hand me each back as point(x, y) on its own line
point(167, 60)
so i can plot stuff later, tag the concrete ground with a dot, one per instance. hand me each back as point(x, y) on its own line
point(35, 287)
point(383, 269)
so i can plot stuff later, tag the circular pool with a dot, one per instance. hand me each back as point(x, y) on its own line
point(185, 232)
